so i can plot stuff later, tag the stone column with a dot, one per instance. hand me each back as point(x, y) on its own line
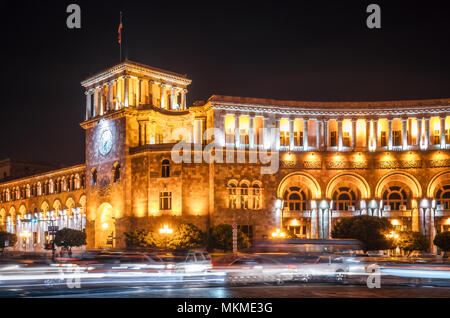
point(419, 132)
point(390, 134)
point(183, 98)
point(353, 133)
point(375, 134)
point(443, 132)
point(314, 223)
point(277, 135)
point(126, 79)
point(339, 122)
point(325, 134)
point(110, 96)
point(251, 133)
point(305, 134)
point(88, 104)
point(172, 98)
point(427, 132)
point(150, 92)
point(367, 133)
point(236, 131)
point(162, 96)
point(321, 223)
point(404, 133)
point(291, 134)
point(318, 134)
point(139, 92)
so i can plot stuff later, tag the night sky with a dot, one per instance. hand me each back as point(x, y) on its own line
point(299, 50)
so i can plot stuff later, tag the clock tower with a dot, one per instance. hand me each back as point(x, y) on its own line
point(122, 108)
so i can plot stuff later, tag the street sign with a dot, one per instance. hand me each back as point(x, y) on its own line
point(53, 228)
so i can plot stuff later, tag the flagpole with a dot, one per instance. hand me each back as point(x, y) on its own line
point(120, 37)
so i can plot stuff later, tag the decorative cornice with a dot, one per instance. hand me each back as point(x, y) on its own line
point(132, 68)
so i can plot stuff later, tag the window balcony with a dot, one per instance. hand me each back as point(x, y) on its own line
point(297, 214)
point(395, 213)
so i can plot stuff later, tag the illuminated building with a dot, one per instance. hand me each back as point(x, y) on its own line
point(337, 159)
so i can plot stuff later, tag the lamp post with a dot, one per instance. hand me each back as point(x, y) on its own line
point(166, 231)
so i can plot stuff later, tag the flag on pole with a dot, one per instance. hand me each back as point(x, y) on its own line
point(120, 29)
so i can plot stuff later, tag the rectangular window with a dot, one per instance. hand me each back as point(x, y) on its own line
point(333, 139)
point(165, 201)
point(298, 138)
point(447, 136)
point(383, 139)
point(436, 137)
point(346, 139)
point(397, 137)
point(284, 138)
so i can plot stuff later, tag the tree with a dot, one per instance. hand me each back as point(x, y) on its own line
point(184, 236)
point(442, 240)
point(222, 238)
point(5, 236)
point(69, 238)
point(370, 230)
point(413, 241)
point(136, 238)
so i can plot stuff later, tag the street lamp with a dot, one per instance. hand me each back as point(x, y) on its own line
point(166, 231)
point(278, 234)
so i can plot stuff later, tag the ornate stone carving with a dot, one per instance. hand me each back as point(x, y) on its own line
point(398, 164)
point(317, 164)
point(337, 165)
point(438, 163)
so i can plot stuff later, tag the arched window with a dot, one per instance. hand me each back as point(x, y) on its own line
point(94, 177)
point(232, 195)
point(165, 168)
point(443, 197)
point(116, 172)
point(396, 198)
point(295, 199)
point(256, 197)
point(344, 198)
point(244, 196)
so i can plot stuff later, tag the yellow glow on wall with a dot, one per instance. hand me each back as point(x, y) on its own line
point(294, 222)
point(284, 125)
point(395, 222)
point(230, 124)
point(298, 125)
point(448, 221)
point(360, 133)
point(244, 123)
point(414, 131)
point(347, 126)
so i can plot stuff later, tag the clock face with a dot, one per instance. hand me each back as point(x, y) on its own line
point(106, 142)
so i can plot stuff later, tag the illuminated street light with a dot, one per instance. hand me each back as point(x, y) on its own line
point(278, 234)
point(166, 230)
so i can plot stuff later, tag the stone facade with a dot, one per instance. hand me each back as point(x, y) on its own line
point(386, 159)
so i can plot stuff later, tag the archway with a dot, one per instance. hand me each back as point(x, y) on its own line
point(299, 191)
point(347, 190)
point(105, 229)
